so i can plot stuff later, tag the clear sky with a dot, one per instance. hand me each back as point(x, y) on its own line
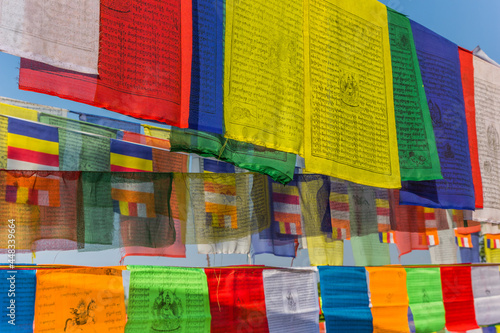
point(465, 22)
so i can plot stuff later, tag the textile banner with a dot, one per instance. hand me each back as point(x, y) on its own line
point(237, 300)
point(18, 112)
point(426, 298)
point(389, 300)
point(486, 89)
point(33, 30)
point(344, 293)
point(18, 300)
point(471, 255)
point(31, 106)
point(291, 300)
point(277, 164)
point(205, 110)
point(85, 299)
point(349, 122)
point(486, 289)
point(168, 299)
point(418, 157)
point(264, 74)
point(147, 78)
point(109, 122)
point(467, 71)
point(440, 66)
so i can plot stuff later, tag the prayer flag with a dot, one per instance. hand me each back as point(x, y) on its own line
point(130, 157)
point(486, 290)
point(432, 236)
point(463, 240)
point(492, 241)
point(387, 237)
point(339, 210)
point(18, 305)
point(133, 199)
point(32, 146)
point(286, 208)
point(39, 191)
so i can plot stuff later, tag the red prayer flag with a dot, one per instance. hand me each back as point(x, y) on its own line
point(144, 63)
point(458, 298)
point(237, 300)
point(467, 70)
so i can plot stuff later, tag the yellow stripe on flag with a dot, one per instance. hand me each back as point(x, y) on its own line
point(29, 143)
point(131, 162)
point(22, 195)
point(337, 197)
point(124, 208)
point(18, 112)
point(291, 190)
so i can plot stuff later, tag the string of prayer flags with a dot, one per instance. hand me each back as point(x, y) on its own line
point(389, 300)
point(463, 240)
point(291, 300)
point(18, 300)
point(277, 164)
point(32, 146)
point(426, 298)
point(155, 85)
point(349, 123)
point(237, 300)
point(206, 110)
point(418, 157)
point(344, 292)
point(458, 298)
point(467, 72)
point(33, 30)
point(440, 68)
point(264, 74)
point(486, 90)
point(83, 299)
point(168, 299)
point(486, 290)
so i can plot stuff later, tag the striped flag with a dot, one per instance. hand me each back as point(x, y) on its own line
point(387, 237)
point(383, 209)
point(130, 157)
point(39, 191)
point(339, 210)
point(220, 195)
point(286, 208)
point(432, 236)
point(463, 240)
point(133, 199)
point(32, 146)
point(492, 241)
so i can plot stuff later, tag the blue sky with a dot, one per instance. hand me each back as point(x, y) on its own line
point(464, 22)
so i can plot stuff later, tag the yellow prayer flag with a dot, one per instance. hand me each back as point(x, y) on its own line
point(264, 73)
point(19, 112)
point(325, 253)
point(492, 255)
point(350, 130)
point(157, 132)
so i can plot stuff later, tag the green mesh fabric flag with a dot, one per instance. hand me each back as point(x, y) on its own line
point(278, 165)
point(168, 299)
point(418, 158)
point(78, 125)
point(369, 251)
point(426, 298)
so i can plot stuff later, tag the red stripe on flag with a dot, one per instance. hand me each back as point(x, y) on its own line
point(286, 198)
point(32, 156)
point(340, 206)
point(123, 169)
point(32, 197)
point(383, 211)
point(132, 209)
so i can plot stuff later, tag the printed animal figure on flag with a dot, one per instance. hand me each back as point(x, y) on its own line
point(83, 315)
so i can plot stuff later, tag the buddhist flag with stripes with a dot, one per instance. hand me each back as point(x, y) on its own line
point(39, 191)
point(463, 240)
point(432, 236)
point(286, 208)
point(383, 209)
point(339, 210)
point(492, 241)
point(220, 195)
point(133, 199)
point(130, 157)
point(387, 237)
point(32, 146)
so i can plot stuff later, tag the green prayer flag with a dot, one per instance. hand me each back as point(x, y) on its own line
point(77, 125)
point(279, 165)
point(369, 251)
point(425, 298)
point(168, 299)
point(418, 157)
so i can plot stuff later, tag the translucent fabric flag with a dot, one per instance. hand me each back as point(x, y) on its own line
point(492, 255)
point(31, 106)
point(80, 299)
point(418, 157)
point(43, 205)
point(350, 130)
point(166, 299)
point(486, 289)
point(467, 71)
point(147, 79)
point(237, 300)
point(446, 252)
point(458, 298)
point(18, 300)
point(486, 89)
point(77, 125)
point(339, 209)
point(18, 112)
point(33, 30)
point(389, 299)
point(277, 164)
point(291, 300)
point(425, 298)
point(345, 301)
point(109, 122)
point(264, 74)
point(471, 255)
point(205, 111)
point(440, 66)
point(267, 241)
